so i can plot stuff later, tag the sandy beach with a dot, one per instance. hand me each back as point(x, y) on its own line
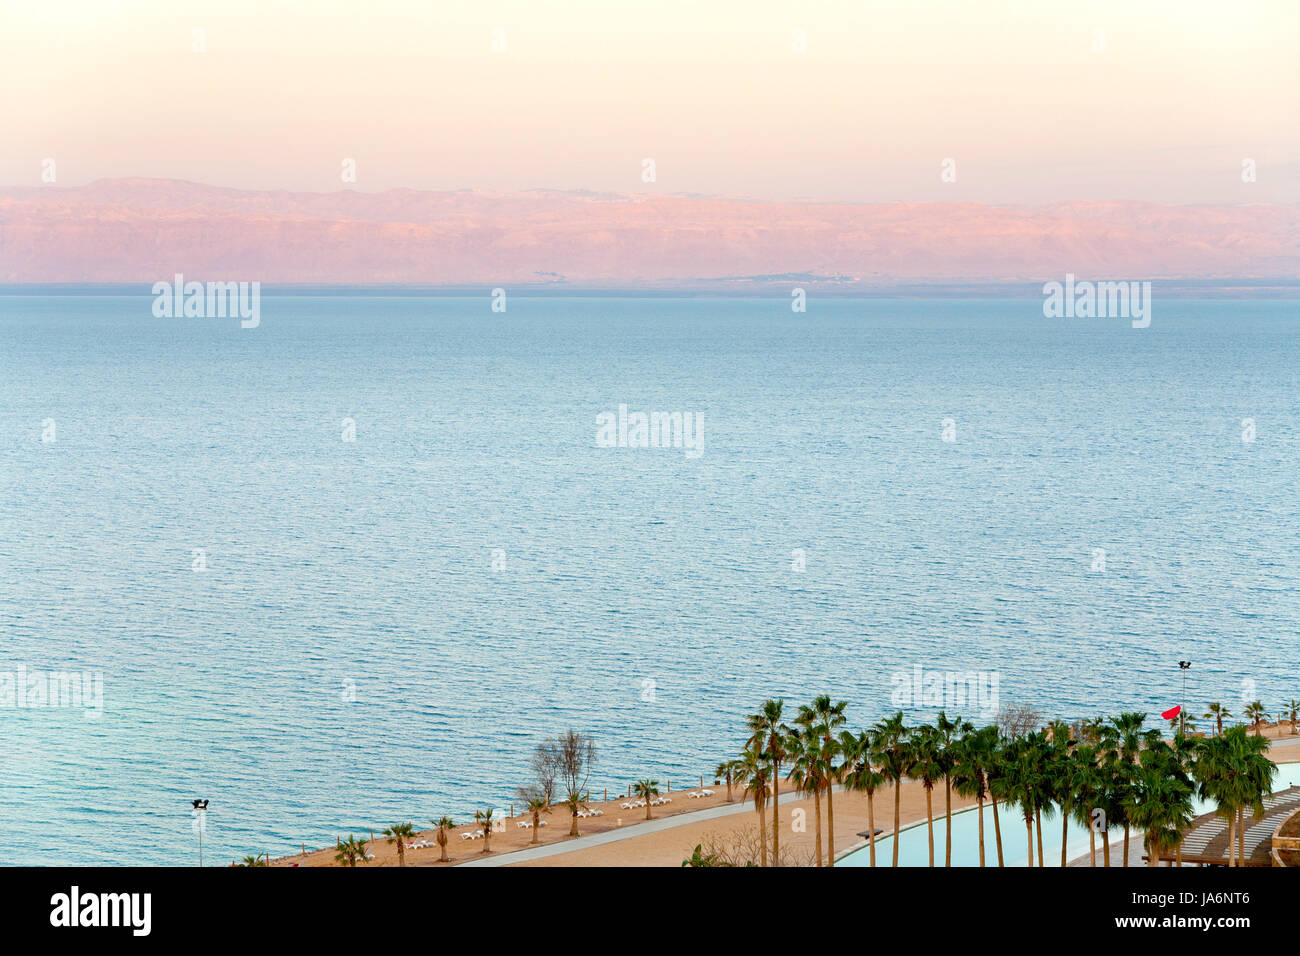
point(663, 847)
point(642, 845)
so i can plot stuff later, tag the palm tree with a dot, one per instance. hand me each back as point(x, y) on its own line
point(351, 850)
point(1255, 711)
point(969, 771)
point(400, 833)
point(769, 735)
point(890, 754)
point(807, 766)
point(1060, 764)
point(1233, 771)
point(1215, 781)
point(1119, 780)
point(255, 860)
point(574, 802)
point(1041, 754)
point(923, 746)
point(726, 770)
point(484, 819)
point(537, 805)
point(1027, 784)
point(1217, 713)
point(1125, 744)
point(950, 732)
point(1021, 785)
point(859, 775)
point(646, 790)
point(829, 717)
point(995, 773)
point(1083, 778)
point(1092, 728)
point(1160, 804)
point(442, 825)
point(753, 774)
point(1292, 712)
point(1250, 775)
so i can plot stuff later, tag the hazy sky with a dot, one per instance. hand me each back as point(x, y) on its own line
point(1034, 100)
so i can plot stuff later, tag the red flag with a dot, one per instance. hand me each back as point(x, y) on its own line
point(1172, 712)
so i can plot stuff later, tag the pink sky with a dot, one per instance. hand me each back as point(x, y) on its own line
point(1033, 101)
point(145, 230)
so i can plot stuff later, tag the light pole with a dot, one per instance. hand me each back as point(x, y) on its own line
point(200, 814)
point(1183, 666)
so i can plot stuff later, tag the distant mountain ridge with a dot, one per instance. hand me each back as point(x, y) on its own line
point(144, 230)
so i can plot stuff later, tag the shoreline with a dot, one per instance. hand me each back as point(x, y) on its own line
point(619, 837)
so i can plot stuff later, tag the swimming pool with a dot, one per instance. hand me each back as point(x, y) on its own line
point(914, 851)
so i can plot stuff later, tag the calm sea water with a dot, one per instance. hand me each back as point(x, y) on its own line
point(350, 657)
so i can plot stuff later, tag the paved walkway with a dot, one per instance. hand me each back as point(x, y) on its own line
point(626, 832)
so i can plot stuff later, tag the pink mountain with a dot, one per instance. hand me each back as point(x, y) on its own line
point(142, 230)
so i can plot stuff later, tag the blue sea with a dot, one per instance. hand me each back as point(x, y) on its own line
point(383, 628)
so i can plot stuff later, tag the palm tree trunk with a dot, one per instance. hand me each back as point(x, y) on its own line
point(817, 821)
point(947, 812)
point(929, 821)
point(871, 826)
point(573, 821)
point(1092, 847)
point(647, 806)
point(1241, 836)
point(997, 830)
point(536, 829)
point(1029, 836)
point(1105, 839)
point(443, 847)
point(1153, 857)
point(898, 789)
point(830, 826)
point(762, 835)
point(1038, 822)
point(1065, 829)
point(1125, 863)
point(980, 811)
point(1232, 839)
point(776, 821)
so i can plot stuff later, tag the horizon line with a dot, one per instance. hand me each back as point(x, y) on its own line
point(1245, 287)
point(605, 195)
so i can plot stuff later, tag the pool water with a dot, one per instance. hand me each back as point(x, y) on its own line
point(914, 849)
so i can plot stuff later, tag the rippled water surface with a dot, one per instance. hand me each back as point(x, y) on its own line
point(350, 657)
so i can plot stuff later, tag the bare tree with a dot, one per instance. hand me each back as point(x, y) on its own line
point(571, 757)
point(1019, 720)
point(545, 765)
